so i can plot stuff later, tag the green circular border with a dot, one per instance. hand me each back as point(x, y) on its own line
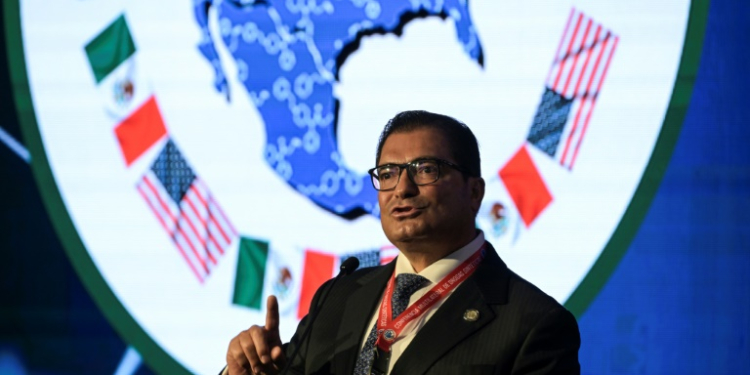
point(161, 362)
point(158, 359)
point(631, 220)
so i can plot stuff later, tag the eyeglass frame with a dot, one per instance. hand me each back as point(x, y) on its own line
point(409, 174)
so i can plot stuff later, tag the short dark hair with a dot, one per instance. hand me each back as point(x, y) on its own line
point(463, 143)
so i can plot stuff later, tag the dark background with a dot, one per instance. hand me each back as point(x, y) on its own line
point(678, 303)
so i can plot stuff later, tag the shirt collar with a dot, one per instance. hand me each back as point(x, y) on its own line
point(438, 270)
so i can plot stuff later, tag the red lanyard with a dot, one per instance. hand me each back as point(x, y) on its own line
point(389, 328)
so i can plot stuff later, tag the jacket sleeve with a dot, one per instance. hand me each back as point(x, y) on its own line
point(297, 366)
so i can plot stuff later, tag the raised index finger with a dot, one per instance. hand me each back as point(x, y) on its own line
point(272, 313)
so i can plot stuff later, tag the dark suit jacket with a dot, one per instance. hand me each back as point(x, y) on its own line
point(520, 329)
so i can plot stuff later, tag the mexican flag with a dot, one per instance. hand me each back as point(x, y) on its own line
point(289, 272)
point(128, 96)
point(515, 198)
point(292, 273)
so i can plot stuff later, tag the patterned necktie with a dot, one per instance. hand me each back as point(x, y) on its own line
point(406, 285)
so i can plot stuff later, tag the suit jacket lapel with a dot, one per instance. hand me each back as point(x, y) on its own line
point(356, 317)
point(447, 328)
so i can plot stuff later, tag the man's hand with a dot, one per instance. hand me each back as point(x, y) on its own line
point(257, 350)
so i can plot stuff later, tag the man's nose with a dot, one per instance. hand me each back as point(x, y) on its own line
point(406, 187)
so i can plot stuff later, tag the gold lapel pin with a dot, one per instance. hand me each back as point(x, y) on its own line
point(471, 315)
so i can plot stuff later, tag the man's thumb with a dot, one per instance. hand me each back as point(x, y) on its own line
point(278, 356)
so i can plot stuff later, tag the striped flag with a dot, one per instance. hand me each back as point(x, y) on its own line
point(373, 257)
point(319, 267)
point(251, 271)
point(265, 268)
point(573, 84)
point(290, 272)
point(127, 93)
point(388, 253)
point(187, 211)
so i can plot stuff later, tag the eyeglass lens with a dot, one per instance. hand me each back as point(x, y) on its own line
point(421, 172)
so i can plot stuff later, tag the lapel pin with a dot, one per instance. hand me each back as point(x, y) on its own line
point(471, 315)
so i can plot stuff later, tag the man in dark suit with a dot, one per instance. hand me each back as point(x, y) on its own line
point(447, 304)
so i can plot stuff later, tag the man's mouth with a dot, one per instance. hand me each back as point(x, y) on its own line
point(405, 211)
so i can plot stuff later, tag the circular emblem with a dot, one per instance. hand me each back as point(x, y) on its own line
point(204, 162)
point(389, 335)
point(471, 315)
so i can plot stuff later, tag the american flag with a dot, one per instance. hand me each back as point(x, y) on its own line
point(373, 257)
point(573, 84)
point(186, 210)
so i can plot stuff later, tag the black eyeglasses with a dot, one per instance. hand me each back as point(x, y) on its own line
point(420, 171)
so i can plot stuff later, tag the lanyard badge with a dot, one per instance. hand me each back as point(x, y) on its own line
point(380, 362)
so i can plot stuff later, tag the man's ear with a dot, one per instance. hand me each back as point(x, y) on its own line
point(476, 184)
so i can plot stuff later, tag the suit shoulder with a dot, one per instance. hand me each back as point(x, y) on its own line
point(361, 272)
point(529, 297)
point(364, 275)
point(359, 276)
